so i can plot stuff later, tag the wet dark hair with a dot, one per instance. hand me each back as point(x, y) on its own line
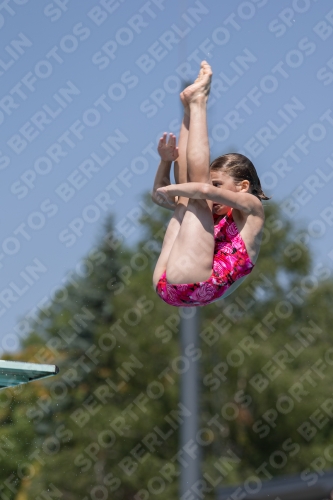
point(240, 168)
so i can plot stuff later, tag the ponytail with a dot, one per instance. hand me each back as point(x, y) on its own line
point(258, 192)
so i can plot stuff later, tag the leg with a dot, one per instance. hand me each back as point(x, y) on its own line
point(181, 174)
point(181, 162)
point(169, 239)
point(191, 256)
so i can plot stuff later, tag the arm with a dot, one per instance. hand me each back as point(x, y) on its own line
point(161, 179)
point(245, 202)
point(168, 153)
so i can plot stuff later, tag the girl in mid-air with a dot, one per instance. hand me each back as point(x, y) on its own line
point(213, 239)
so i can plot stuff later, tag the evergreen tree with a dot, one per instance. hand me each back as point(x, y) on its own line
point(107, 426)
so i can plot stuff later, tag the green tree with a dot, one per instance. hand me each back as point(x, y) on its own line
point(107, 426)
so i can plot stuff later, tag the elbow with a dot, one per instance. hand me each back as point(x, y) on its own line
point(205, 190)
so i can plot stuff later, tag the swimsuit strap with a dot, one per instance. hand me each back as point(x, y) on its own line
point(229, 214)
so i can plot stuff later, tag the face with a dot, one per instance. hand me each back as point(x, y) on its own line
point(223, 180)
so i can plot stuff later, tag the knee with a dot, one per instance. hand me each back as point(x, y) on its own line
point(201, 207)
point(180, 210)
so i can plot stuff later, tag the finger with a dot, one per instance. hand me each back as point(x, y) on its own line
point(170, 141)
point(165, 135)
point(163, 200)
point(164, 196)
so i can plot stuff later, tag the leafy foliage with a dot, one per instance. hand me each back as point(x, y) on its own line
point(107, 426)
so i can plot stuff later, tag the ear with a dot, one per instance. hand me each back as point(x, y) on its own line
point(245, 186)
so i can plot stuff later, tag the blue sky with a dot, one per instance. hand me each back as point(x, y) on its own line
point(87, 89)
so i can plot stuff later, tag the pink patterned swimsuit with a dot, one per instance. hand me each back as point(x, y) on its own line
point(230, 263)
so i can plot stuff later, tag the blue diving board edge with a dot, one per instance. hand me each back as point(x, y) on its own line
point(13, 373)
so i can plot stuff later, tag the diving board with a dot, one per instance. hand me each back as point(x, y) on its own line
point(14, 373)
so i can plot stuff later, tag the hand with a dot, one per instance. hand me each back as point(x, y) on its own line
point(167, 150)
point(165, 198)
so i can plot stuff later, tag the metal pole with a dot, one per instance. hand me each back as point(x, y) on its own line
point(189, 397)
point(189, 386)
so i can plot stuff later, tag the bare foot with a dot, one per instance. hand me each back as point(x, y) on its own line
point(200, 89)
point(182, 95)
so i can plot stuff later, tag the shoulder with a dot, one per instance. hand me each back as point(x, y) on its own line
point(253, 214)
point(257, 207)
point(251, 205)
